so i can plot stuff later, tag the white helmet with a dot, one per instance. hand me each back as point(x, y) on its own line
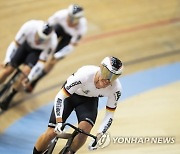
point(111, 68)
point(75, 11)
point(44, 31)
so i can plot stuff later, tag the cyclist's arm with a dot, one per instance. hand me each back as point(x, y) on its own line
point(39, 67)
point(36, 71)
point(110, 109)
point(73, 83)
point(12, 48)
point(59, 104)
point(45, 56)
point(107, 121)
point(19, 39)
point(81, 31)
point(64, 51)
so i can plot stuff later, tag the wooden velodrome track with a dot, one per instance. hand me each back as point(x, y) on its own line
point(143, 34)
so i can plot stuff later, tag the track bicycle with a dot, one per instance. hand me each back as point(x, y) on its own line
point(69, 138)
point(5, 88)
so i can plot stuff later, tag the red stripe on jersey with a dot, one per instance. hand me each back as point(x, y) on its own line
point(110, 109)
point(17, 44)
point(43, 61)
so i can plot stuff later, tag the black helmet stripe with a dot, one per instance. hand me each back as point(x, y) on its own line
point(76, 9)
point(47, 29)
point(116, 63)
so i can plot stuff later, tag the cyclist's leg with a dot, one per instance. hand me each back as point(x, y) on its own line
point(29, 62)
point(13, 61)
point(16, 60)
point(5, 72)
point(86, 113)
point(45, 139)
point(22, 75)
point(80, 139)
point(28, 58)
point(6, 69)
point(16, 81)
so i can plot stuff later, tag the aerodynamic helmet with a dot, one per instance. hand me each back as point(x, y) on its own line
point(111, 68)
point(75, 11)
point(44, 31)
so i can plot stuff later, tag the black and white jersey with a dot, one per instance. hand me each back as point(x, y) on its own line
point(82, 83)
point(60, 19)
point(27, 33)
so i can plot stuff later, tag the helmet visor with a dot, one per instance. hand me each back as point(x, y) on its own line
point(106, 74)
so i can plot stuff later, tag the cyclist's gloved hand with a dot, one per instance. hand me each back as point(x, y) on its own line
point(57, 129)
point(92, 145)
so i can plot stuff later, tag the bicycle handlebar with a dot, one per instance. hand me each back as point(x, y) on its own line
point(79, 130)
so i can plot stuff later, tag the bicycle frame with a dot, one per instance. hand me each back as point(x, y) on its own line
point(4, 91)
point(8, 84)
point(70, 139)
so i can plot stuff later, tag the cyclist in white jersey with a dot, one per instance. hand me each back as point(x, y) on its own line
point(34, 39)
point(70, 26)
point(80, 93)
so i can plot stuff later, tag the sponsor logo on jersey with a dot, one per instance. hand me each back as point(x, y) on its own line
point(86, 91)
point(58, 106)
point(117, 95)
point(73, 84)
point(107, 126)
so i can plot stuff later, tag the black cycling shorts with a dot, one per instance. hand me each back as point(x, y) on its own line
point(85, 107)
point(25, 55)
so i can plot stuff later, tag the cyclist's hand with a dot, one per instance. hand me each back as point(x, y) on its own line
point(25, 82)
point(92, 145)
point(57, 129)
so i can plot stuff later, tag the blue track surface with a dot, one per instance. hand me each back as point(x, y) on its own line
point(20, 136)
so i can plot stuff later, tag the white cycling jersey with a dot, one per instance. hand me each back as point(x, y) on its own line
point(60, 18)
point(27, 33)
point(82, 83)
